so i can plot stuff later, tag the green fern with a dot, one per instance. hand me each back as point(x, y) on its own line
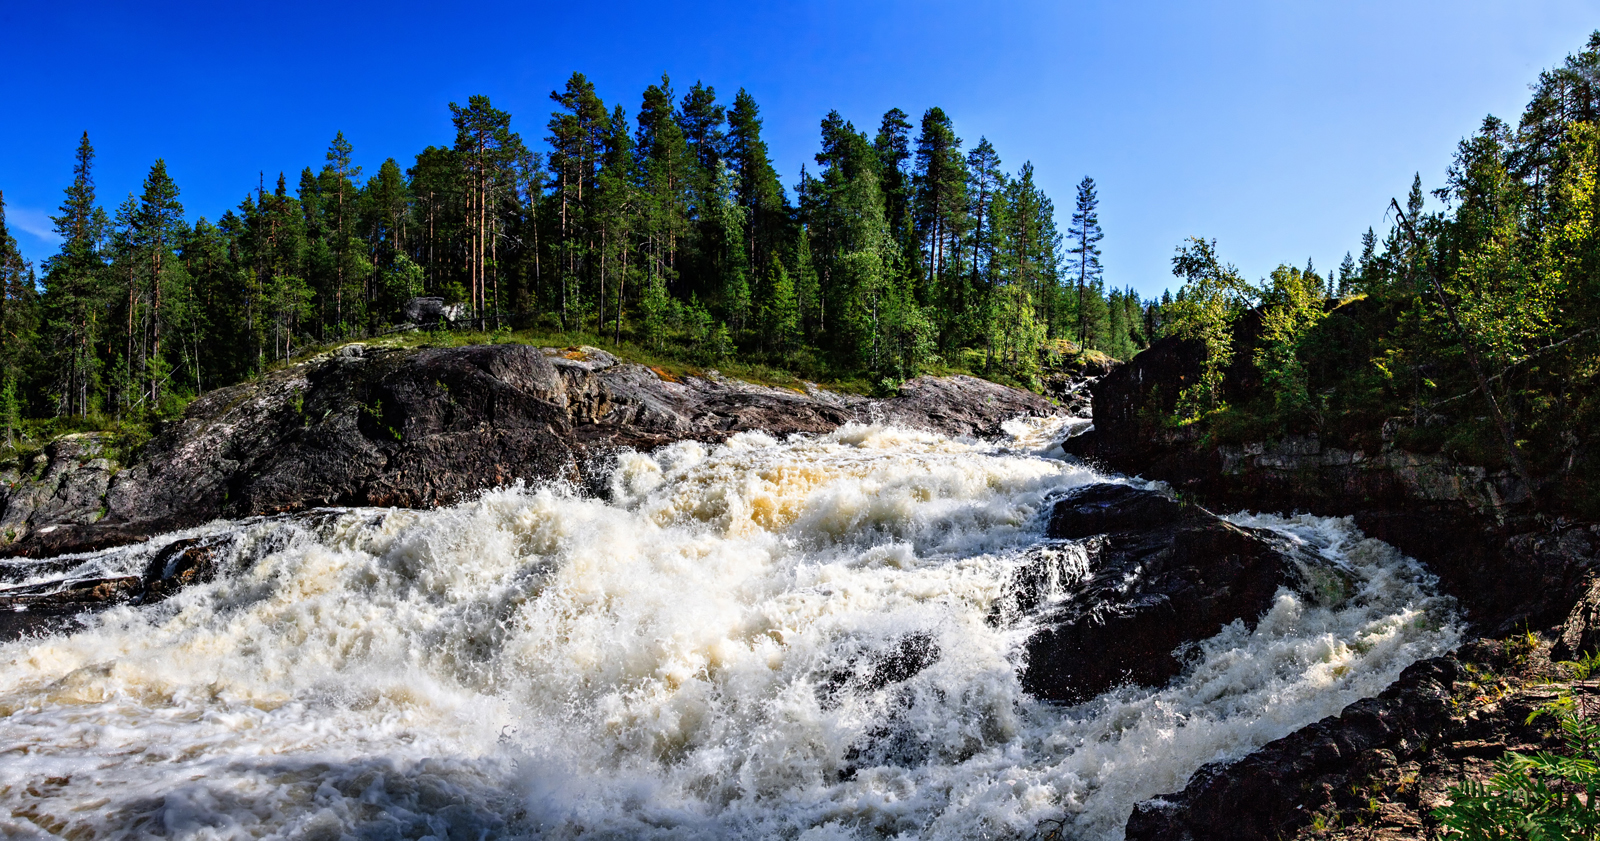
point(1539, 797)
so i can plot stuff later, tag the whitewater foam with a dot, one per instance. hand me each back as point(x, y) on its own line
point(765, 638)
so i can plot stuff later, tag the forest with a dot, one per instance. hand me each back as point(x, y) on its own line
point(668, 232)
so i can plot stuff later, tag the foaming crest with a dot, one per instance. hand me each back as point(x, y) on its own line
point(808, 637)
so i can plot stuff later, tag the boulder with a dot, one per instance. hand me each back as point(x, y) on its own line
point(1155, 577)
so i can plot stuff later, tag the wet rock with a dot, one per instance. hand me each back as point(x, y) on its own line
point(180, 564)
point(1468, 524)
point(1156, 576)
point(90, 591)
point(870, 671)
point(1380, 767)
point(172, 567)
point(420, 428)
point(1276, 790)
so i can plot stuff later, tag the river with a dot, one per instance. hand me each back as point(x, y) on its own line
point(798, 638)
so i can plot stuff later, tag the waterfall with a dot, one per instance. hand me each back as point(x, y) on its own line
point(798, 638)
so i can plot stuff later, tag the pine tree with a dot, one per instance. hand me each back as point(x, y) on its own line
point(1085, 237)
point(759, 190)
point(488, 150)
point(75, 290)
point(665, 164)
point(616, 211)
point(436, 180)
point(939, 213)
point(984, 189)
point(577, 135)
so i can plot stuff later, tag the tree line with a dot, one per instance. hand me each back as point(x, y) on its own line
point(670, 229)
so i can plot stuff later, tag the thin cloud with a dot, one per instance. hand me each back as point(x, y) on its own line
point(34, 223)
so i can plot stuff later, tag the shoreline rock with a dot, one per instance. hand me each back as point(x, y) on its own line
point(424, 427)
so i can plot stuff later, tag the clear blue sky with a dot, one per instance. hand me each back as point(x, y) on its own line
point(1279, 127)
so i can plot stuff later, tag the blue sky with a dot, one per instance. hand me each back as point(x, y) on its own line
point(1280, 128)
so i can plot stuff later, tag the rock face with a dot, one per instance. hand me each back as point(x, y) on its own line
point(1468, 524)
point(1512, 569)
point(417, 428)
point(63, 486)
point(1155, 576)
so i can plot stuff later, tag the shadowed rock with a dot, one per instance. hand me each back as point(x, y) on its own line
point(1158, 577)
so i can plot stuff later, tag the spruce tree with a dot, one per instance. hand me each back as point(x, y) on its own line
point(1368, 271)
point(156, 231)
point(893, 145)
point(780, 310)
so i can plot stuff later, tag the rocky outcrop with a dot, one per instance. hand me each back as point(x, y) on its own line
point(1513, 567)
point(1154, 576)
point(62, 487)
point(1470, 524)
point(417, 428)
point(1068, 379)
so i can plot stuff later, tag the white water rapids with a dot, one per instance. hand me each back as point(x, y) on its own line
point(689, 659)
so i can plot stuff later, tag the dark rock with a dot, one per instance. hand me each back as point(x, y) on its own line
point(1104, 508)
point(64, 594)
point(1513, 564)
point(1159, 576)
point(1580, 633)
point(420, 428)
point(1470, 525)
point(179, 564)
point(1382, 765)
point(1068, 380)
point(172, 567)
point(870, 671)
point(1277, 789)
point(64, 486)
